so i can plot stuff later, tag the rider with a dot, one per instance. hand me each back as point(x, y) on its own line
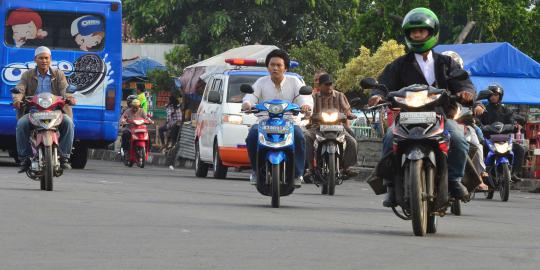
point(133, 112)
point(476, 136)
point(43, 79)
point(496, 112)
point(423, 66)
point(329, 99)
point(278, 86)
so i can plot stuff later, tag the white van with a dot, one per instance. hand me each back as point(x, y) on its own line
point(220, 136)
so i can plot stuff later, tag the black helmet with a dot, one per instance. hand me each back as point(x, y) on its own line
point(496, 89)
point(421, 18)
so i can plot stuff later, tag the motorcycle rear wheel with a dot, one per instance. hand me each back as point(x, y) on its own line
point(455, 208)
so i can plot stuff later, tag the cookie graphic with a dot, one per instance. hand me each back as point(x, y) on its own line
point(89, 72)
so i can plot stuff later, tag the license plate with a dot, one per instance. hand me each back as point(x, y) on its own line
point(44, 115)
point(337, 128)
point(276, 129)
point(417, 117)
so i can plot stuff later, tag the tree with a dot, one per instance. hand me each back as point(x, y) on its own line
point(209, 27)
point(367, 64)
point(161, 80)
point(178, 59)
point(314, 56)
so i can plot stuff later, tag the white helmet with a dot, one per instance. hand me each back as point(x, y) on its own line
point(455, 56)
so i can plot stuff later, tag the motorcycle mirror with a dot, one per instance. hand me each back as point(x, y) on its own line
point(484, 94)
point(458, 74)
point(368, 83)
point(15, 90)
point(306, 90)
point(246, 89)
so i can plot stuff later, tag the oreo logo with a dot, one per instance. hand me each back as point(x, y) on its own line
point(90, 70)
point(13, 72)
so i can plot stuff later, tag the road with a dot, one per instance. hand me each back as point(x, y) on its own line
point(112, 217)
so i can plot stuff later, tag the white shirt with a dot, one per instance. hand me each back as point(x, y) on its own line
point(264, 89)
point(427, 67)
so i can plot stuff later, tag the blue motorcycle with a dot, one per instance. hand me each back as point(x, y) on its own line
point(499, 158)
point(275, 149)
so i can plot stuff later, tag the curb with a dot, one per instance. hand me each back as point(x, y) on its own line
point(160, 160)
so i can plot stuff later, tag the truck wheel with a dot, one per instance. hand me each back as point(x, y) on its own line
point(220, 170)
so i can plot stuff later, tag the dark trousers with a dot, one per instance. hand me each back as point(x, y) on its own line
point(126, 139)
point(519, 156)
point(299, 149)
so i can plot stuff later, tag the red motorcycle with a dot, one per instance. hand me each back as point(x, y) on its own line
point(139, 144)
point(45, 116)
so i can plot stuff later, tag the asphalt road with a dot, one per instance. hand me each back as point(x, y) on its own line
point(112, 217)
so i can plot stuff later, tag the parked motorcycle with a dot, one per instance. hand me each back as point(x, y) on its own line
point(329, 150)
point(499, 158)
point(45, 116)
point(275, 149)
point(420, 152)
point(139, 144)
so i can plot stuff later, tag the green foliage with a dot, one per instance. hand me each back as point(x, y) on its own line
point(178, 59)
point(209, 27)
point(161, 80)
point(313, 56)
point(367, 64)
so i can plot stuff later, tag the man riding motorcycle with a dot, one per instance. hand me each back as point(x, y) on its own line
point(43, 79)
point(496, 112)
point(133, 112)
point(278, 86)
point(423, 66)
point(328, 99)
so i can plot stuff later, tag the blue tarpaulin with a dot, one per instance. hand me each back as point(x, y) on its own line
point(139, 69)
point(503, 64)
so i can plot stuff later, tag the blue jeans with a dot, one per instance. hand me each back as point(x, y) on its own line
point(24, 149)
point(457, 154)
point(299, 149)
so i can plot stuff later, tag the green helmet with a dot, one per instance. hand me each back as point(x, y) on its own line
point(421, 18)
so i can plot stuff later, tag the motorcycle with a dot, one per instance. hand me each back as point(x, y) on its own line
point(45, 116)
point(472, 178)
point(139, 143)
point(329, 148)
point(420, 152)
point(275, 149)
point(499, 158)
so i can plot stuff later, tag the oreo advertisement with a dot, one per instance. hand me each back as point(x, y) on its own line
point(89, 75)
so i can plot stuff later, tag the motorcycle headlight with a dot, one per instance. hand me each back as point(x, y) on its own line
point(288, 140)
point(329, 117)
point(502, 147)
point(417, 99)
point(276, 108)
point(232, 119)
point(45, 102)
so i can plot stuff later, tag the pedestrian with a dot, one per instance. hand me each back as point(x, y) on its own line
point(172, 124)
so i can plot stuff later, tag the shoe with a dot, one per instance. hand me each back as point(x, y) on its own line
point(253, 179)
point(298, 181)
point(348, 173)
point(308, 177)
point(457, 189)
point(25, 165)
point(515, 178)
point(390, 197)
point(64, 163)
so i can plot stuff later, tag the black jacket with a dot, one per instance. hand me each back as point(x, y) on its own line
point(497, 113)
point(405, 71)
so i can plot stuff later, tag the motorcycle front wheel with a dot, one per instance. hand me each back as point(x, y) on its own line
point(418, 204)
point(276, 183)
point(504, 183)
point(331, 180)
point(48, 168)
